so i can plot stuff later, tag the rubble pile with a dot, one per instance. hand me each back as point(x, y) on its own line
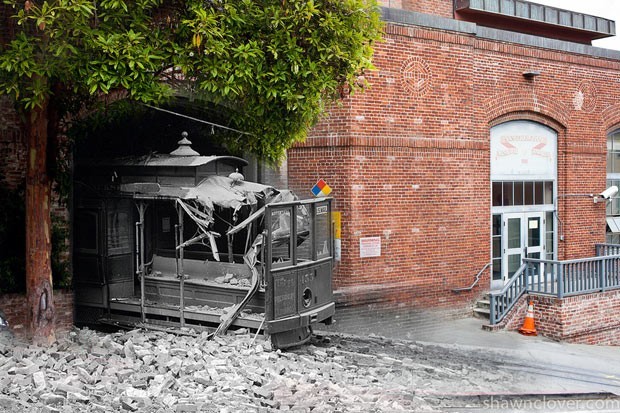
point(224, 311)
point(233, 280)
point(154, 371)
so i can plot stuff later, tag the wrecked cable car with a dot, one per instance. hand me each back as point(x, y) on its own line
point(183, 240)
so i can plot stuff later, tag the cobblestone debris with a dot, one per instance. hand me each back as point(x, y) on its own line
point(151, 371)
point(161, 372)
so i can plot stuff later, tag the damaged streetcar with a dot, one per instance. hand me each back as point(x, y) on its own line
point(183, 240)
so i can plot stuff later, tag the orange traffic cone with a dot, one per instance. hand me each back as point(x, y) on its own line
point(528, 328)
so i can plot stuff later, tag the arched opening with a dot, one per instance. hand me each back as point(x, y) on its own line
point(524, 187)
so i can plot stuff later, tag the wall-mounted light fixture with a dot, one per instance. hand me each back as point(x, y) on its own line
point(531, 74)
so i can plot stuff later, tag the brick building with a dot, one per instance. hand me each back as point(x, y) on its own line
point(484, 130)
point(479, 140)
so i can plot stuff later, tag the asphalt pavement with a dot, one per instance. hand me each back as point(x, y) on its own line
point(555, 368)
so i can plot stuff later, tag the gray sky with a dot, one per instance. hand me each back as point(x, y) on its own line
point(609, 9)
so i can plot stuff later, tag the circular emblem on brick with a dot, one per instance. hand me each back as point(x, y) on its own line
point(585, 96)
point(416, 76)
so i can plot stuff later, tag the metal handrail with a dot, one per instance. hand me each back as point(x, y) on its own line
point(512, 280)
point(575, 261)
point(509, 299)
point(601, 249)
point(556, 278)
point(477, 278)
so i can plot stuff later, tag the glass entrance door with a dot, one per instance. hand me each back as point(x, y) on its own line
point(523, 238)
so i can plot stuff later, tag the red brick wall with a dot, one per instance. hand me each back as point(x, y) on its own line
point(585, 319)
point(408, 159)
point(442, 8)
point(12, 147)
point(514, 319)
point(15, 308)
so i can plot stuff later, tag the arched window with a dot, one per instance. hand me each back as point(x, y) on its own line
point(523, 179)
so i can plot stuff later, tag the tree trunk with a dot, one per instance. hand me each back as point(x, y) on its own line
point(41, 314)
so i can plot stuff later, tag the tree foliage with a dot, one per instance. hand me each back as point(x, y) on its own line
point(274, 63)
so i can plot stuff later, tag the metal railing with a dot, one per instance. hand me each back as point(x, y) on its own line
point(607, 249)
point(502, 301)
point(476, 279)
point(556, 278)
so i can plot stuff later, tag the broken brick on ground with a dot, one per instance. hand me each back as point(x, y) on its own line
point(154, 371)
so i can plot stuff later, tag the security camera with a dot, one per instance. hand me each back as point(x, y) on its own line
point(607, 194)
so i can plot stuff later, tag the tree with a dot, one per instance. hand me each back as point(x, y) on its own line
point(274, 63)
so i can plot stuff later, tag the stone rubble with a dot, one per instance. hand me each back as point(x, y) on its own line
point(233, 280)
point(246, 313)
point(150, 371)
point(156, 371)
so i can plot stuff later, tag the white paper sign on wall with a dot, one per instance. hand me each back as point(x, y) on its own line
point(370, 247)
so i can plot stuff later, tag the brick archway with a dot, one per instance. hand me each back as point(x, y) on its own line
point(610, 119)
point(526, 104)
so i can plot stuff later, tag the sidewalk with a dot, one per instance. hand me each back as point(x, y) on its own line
point(556, 367)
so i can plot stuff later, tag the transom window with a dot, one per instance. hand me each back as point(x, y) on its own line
point(522, 193)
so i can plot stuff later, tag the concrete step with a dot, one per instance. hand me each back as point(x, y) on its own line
point(482, 313)
point(483, 304)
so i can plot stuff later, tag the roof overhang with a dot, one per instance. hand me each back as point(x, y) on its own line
point(159, 160)
point(537, 19)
